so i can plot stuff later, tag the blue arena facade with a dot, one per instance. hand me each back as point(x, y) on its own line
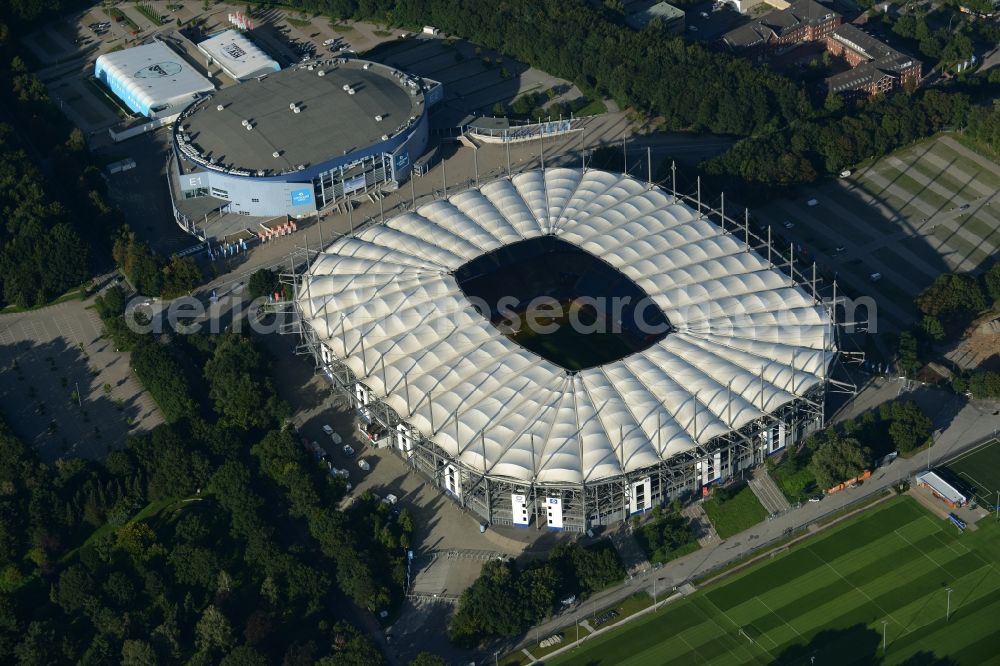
point(301, 140)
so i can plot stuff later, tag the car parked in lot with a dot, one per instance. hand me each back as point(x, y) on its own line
point(363, 464)
point(348, 450)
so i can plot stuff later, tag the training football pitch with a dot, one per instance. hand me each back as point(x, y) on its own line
point(825, 602)
point(980, 469)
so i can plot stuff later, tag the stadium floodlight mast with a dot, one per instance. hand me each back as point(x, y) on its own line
point(884, 623)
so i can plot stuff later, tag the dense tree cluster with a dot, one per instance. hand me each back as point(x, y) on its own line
point(949, 304)
point(505, 600)
point(41, 255)
point(182, 547)
point(151, 274)
point(663, 535)
point(686, 84)
point(982, 384)
point(840, 458)
point(798, 153)
point(56, 217)
point(239, 382)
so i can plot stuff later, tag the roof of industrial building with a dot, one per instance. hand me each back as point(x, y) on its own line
point(941, 487)
point(641, 17)
point(237, 55)
point(331, 122)
point(746, 340)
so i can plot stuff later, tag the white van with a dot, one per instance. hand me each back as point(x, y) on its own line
point(812, 202)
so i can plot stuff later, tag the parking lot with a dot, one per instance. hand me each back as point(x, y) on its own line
point(926, 210)
point(65, 390)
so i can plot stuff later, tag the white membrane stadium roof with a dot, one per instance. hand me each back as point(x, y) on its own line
point(747, 340)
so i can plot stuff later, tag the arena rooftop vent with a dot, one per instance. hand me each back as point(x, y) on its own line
point(395, 316)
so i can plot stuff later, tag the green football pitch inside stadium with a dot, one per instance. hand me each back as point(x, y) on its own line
point(825, 602)
point(980, 470)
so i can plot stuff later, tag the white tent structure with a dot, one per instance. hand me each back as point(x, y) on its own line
point(151, 79)
point(506, 431)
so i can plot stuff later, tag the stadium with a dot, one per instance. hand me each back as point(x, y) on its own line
point(298, 140)
point(663, 355)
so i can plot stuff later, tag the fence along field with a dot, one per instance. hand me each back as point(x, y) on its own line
point(828, 599)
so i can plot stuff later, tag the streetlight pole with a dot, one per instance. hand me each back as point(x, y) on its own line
point(884, 623)
point(475, 157)
point(947, 613)
point(496, 659)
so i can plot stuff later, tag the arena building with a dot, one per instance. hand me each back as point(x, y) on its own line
point(151, 79)
point(299, 140)
point(567, 348)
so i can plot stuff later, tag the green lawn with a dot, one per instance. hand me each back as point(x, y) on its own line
point(828, 598)
point(593, 108)
point(797, 485)
point(980, 471)
point(735, 514)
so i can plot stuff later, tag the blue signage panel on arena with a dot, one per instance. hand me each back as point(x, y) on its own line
point(302, 196)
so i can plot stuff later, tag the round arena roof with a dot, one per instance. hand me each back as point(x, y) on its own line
point(331, 122)
point(744, 339)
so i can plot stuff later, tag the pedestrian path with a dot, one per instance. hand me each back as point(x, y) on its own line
point(767, 491)
point(701, 524)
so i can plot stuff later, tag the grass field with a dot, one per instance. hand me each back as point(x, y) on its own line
point(980, 469)
point(827, 599)
point(741, 511)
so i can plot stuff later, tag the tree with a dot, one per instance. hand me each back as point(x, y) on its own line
point(263, 283)
point(351, 647)
point(244, 655)
point(951, 293)
point(427, 659)
point(138, 653)
point(213, 631)
point(76, 589)
point(238, 383)
point(909, 361)
point(840, 459)
point(933, 327)
point(991, 279)
point(910, 427)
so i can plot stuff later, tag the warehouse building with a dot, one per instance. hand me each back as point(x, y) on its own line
point(238, 57)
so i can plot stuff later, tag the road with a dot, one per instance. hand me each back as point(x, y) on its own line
point(969, 425)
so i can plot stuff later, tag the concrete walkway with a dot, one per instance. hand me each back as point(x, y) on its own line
point(767, 491)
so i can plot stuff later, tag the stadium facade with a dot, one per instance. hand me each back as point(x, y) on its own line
point(518, 436)
point(302, 139)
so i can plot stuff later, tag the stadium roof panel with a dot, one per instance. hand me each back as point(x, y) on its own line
point(331, 122)
point(747, 339)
